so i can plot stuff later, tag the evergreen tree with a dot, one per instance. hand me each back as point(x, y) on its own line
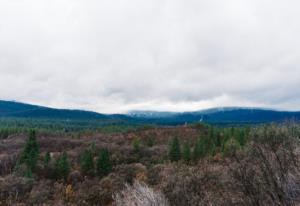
point(136, 145)
point(218, 139)
point(199, 149)
point(104, 165)
point(47, 159)
point(232, 131)
point(213, 135)
point(93, 149)
point(62, 166)
point(150, 142)
point(211, 132)
point(241, 137)
point(211, 143)
point(186, 154)
point(87, 162)
point(212, 149)
point(225, 139)
point(30, 153)
point(174, 150)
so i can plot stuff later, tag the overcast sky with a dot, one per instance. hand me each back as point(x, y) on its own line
point(115, 55)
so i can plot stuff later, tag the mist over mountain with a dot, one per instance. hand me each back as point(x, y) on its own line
point(219, 115)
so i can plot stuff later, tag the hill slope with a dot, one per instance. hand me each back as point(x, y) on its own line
point(16, 109)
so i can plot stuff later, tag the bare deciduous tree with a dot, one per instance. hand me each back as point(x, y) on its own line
point(139, 194)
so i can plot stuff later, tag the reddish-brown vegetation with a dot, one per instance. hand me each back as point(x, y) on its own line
point(263, 172)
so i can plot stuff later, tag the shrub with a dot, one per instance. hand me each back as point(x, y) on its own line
point(40, 193)
point(14, 188)
point(7, 163)
point(189, 186)
point(94, 192)
point(266, 172)
point(139, 194)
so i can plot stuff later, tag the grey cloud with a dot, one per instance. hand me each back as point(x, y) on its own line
point(113, 56)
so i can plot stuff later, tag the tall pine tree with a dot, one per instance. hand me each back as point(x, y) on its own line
point(30, 153)
point(104, 165)
point(186, 154)
point(241, 136)
point(199, 149)
point(87, 162)
point(174, 150)
point(62, 166)
point(136, 145)
point(47, 159)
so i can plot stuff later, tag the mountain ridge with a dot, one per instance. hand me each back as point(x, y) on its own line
point(212, 115)
point(221, 115)
point(20, 109)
